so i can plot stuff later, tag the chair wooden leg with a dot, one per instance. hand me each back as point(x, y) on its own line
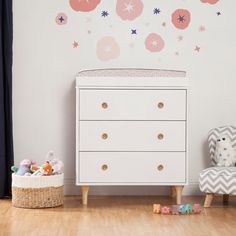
point(85, 190)
point(178, 190)
point(225, 199)
point(208, 199)
point(172, 191)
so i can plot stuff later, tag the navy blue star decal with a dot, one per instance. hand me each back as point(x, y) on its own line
point(181, 19)
point(61, 19)
point(133, 31)
point(156, 11)
point(104, 14)
point(218, 13)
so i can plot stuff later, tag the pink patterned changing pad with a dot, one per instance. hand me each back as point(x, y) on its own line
point(132, 73)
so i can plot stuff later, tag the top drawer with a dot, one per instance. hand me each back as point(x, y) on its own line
point(102, 104)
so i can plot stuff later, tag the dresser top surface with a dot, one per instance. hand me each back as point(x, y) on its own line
point(131, 73)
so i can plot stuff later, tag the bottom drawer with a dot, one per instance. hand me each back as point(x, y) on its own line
point(132, 167)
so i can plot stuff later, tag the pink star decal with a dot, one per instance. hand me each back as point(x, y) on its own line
point(75, 44)
point(197, 49)
point(201, 28)
point(180, 38)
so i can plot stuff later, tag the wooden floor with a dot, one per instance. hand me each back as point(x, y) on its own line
point(113, 216)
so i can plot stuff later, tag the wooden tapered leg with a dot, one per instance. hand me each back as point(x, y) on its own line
point(85, 190)
point(225, 199)
point(208, 199)
point(178, 190)
point(172, 191)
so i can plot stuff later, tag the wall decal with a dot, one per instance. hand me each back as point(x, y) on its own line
point(197, 49)
point(156, 11)
point(104, 14)
point(201, 28)
point(181, 18)
point(180, 38)
point(129, 9)
point(75, 44)
point(154, 43)
point(210, 1)
point(137, 25)
point(61, 19)
point(84, 5)
point(107, 48)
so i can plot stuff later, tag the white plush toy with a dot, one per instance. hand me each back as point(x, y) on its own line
point(225, 154)
point(57, 165)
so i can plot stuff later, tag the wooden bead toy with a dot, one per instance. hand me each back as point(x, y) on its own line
point(157, 208)
point(177, 209)
point(196, 208)
point(165, 210)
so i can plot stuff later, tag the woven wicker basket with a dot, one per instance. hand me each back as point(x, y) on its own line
point(37, 191)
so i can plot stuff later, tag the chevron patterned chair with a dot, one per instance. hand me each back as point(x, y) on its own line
point(218, 180)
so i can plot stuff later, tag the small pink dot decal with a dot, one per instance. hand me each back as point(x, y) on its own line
point(181, 18)
point(154, 43)
point(61, 19)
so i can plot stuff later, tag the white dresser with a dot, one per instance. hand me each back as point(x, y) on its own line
point(131, 128)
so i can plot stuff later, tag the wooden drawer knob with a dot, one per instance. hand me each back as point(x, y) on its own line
point(104, 167)
point(160, 105)
point(104, 105)
point(160, 167)
point(104, 136)
point(160, 136)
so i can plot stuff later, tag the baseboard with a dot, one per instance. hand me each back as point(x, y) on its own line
point(71, 189)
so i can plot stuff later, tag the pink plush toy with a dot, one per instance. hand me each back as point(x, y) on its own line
point(25, 167)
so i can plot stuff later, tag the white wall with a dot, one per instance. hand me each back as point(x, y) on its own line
point(45, 64)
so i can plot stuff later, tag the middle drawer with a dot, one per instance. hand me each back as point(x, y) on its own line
point(132, 136)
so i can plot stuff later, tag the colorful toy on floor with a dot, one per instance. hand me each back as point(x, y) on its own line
point(156, 208)
point(165, 210)
point(177, 209)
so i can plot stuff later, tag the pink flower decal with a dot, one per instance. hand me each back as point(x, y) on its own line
point(210, 1)
point(61, 19)
point(84, 5)
point(129, 9)
point(181, 18)
point(107, 49)
point(154, 43)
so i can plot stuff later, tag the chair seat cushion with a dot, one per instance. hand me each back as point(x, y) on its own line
point(221, 180)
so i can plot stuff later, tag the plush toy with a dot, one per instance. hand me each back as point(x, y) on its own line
point(57, 166)
point(14, 169)
point(24, 167)
point(34, 168)
point(225, 154)
point(44, 170)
